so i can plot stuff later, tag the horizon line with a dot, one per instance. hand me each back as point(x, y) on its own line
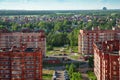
point(52, 9)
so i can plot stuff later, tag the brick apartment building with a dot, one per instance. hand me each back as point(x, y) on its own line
point(86, 38)
point(107, 60)
point(21, 55)
point(32, 39)
point(21, 64)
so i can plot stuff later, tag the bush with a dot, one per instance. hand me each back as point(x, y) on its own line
point(91, 75)
point(50, 47)
point(91, 62)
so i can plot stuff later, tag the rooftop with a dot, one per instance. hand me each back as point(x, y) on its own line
point(110, 47)
point(25, 30)
point(19, 49)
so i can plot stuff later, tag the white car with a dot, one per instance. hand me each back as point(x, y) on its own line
point(54, 77)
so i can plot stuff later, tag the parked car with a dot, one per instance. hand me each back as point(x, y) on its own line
point(54, 78)
point(55, 72)
point(66, 76)
point(65, 54)
point(65, 71)
point(55, 75)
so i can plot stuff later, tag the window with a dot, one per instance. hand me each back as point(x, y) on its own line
point(16, 72)
point(114, 73)
point(115, 78)
point(114, 63)
point(29, 71)
point(106, 61)
point(29, 62)
point(106, 71)
point(14, 76)
point(114, 67)
point(29, 67)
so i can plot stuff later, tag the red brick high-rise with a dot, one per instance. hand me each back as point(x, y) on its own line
point(86, 38)
point(32, 39)
point(107, 60)
point(21, 55)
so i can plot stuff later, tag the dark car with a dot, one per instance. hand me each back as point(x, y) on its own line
point(54, 79)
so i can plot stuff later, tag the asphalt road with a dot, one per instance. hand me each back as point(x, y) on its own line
point(83, 68)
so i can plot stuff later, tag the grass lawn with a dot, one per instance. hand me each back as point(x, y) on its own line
point(47, 74)
point(48, 53)
point(75, 49)
point(57, 50)
point(61, 50)
point(75, 57)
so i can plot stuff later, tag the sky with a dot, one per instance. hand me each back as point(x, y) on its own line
point(58, 4)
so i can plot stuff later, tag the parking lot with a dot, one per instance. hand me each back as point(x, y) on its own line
point(60, 75)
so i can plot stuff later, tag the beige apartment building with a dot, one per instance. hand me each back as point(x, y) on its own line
point(86, 38)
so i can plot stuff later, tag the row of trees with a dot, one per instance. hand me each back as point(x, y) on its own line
point(55, 12)
point(72, 72)
point(60, 33)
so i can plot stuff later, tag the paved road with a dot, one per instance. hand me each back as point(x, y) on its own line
point(84, 76)
point(60, 75)
point(83, 68)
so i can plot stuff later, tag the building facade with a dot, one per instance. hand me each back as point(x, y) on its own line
point(86, 38)
point(30, 38)
point(21, 55)
point(21, 63)
point(107, 59)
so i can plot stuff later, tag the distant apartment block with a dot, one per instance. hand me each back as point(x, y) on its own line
point(21, 55)
point(86, 38)
point(32, 39)
point(107, 60)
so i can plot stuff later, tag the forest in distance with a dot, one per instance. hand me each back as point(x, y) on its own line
point(55, 12)
point(61, 27)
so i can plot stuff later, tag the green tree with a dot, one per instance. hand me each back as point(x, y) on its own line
point(42, 26)
point(57, 39)
point(49, 47)
point(71, 69)
point(14, 27)
point(91, 62)
point(1, 27)
point(73, 38)
point(66, 22)
point(70, 36)
point(67, 67)
point(91, 75)
point(58, 26)
point(76, 76)
point(89, 25)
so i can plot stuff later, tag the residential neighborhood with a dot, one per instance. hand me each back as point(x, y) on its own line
point(59, 40)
